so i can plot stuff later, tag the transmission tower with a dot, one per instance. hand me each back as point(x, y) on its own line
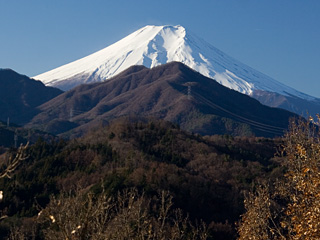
point(15, 138)
point(71, 115)
point(189, 92)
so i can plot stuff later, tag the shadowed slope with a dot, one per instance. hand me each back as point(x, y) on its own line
point(162, 92)
point(20, 95)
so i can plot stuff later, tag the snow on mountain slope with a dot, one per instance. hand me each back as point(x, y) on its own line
point(154, 45)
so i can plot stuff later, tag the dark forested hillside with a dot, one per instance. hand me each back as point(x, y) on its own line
point(20, 95)
point(12, 135)
point(205, 176)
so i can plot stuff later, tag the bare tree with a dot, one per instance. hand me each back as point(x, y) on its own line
point(15, 161)
point(12, 165)
point(129, 215)
point(302, 180)
point(298, 189)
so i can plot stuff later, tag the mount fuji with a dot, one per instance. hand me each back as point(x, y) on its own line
point(155, 45)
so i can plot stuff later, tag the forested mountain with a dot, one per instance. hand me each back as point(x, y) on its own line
point(173, 92)
point(20, 95)
point(12, 135)
point(204, 175)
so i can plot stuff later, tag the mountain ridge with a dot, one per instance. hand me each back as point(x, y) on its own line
point(151, 46)
point(20, 96)
point(163, 92)
point(154, 45)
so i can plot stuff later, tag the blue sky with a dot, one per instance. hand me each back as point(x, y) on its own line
point(280, 38)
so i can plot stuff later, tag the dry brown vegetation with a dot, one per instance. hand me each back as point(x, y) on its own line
point(290, 208)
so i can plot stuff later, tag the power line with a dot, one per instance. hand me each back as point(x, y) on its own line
point(71, 114)
point(258, 125)
point(15, 138)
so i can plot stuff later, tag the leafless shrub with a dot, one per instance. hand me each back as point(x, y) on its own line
point(129, 215)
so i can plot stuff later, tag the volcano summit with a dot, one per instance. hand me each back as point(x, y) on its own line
point(155, 45)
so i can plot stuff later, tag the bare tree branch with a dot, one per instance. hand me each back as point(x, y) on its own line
point(14, 163)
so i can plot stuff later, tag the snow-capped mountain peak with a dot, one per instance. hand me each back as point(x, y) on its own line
point(154, 45)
